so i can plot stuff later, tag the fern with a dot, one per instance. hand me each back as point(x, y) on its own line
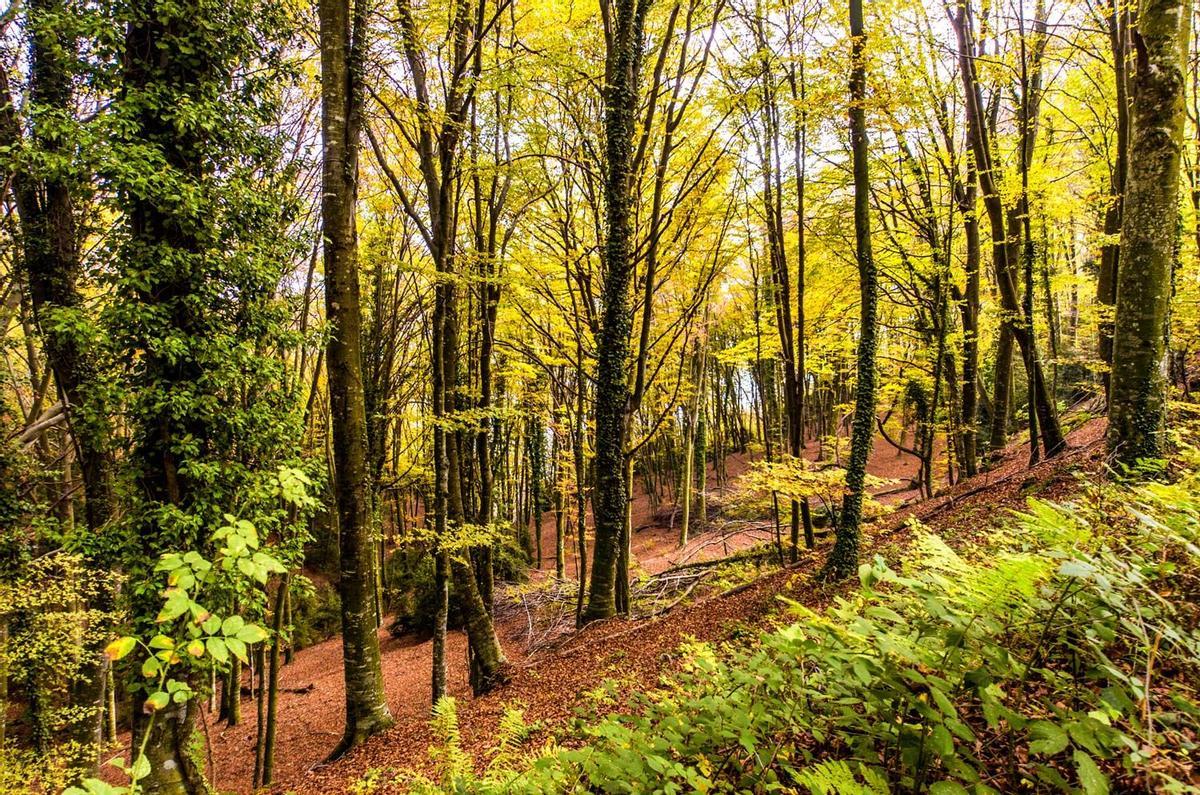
point(837, 777)
point(448, 757)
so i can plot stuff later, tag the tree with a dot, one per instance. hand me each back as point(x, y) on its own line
point(343, 28)
point(45, 183)
point(624, 23)
point(843, 558)
point(1137, 407)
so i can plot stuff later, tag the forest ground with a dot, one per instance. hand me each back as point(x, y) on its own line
point(548, 682)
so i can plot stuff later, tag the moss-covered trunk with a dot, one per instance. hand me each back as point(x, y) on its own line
point(1137, 406)
point(342, 31)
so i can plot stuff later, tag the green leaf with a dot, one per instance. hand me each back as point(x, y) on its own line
point(1091, 778)
point(120, 648)
point(140, 768)
point(252, 633)
point(196, 648)
point(238, 648)
point(156, 701)
point(231, 625)
point(1049, 738)
point(150, 667)
point(941, 741)
point(162, 642)
point(1076, 568)
point(947, 788)
point(217, 648)
point(176, 605)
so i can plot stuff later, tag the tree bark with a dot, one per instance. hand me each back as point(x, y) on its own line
point(342, 42)
point(1110, 254)
point(622, 65)
point(1137, 408)
point(843, 558)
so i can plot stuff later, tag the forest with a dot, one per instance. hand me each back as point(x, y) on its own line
point(615, 396)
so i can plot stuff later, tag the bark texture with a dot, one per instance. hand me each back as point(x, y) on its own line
point(624, 32)
point(1137, 404)
point(342, 29)
point(843, 558)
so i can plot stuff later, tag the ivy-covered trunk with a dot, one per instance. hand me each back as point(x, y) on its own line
point(53, 269)
point(342, 32)
point(1137, 405)
point(622, 65)
point(843, 558)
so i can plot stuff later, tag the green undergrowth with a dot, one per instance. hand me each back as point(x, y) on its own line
point(1061, 653)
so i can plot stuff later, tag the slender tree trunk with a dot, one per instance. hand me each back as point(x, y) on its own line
point(843, 558)
point(622, 65)
point(1137, 409)
point(281, 599)
point(342, 42)
point(441, 585)
point(1110, 255)
point(969, 308)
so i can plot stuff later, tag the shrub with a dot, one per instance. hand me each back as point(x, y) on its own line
point(316, 612)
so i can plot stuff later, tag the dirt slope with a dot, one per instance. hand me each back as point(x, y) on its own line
point(549, 687)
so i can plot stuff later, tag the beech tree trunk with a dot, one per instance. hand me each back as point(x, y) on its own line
point(1110, 254)
point(342, 31)
point(1137, 407)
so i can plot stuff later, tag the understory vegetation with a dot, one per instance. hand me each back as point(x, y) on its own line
point(1054, 649)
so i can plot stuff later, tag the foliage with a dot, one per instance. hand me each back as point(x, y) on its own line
point(191, 635)
point(410, 594)
point(316, 612)
point(798, 479)
point(1063, 654)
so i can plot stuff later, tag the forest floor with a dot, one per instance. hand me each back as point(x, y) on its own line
point(549, 678)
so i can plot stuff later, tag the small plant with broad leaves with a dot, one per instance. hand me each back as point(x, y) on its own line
point(191, 635)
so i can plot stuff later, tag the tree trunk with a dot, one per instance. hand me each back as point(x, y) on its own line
point(1137, 408)
point(342, 43)
point(622, 66)
point(843, 558)
point(1110, 255)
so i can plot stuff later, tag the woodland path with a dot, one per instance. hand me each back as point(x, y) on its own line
point(549, 684)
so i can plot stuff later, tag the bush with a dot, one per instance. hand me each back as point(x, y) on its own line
point(316, 612)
